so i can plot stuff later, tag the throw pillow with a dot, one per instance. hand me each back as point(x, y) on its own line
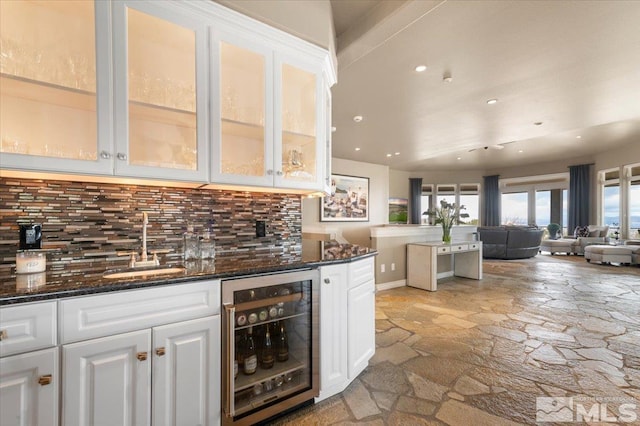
point(594, 233)
point(581, 231)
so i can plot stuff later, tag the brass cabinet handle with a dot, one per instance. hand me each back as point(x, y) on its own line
point(45, 380)
point(3, 334)
point(160, 351)
point(142, 356)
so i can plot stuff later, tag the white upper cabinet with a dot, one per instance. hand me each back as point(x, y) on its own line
point(160, 92)
point(54, 86)
point(299, 107)
point(178, 91)
point(242, 112)
point(268, 112)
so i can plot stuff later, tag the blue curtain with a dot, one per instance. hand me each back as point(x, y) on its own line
point(579, 196)
point(415, 192)
point(491, 206)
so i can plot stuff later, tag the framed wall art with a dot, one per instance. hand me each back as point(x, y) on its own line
point(398, 210)
point(348, 202)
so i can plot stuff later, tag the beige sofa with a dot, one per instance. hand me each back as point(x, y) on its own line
point(568, 245)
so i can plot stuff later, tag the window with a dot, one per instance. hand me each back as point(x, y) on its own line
point(565, 211)
point(533, 200)
point(467, 195)
point(515, 207)
point(470, 198)
point(543, 208)
point(425, 202)
point(611, 199)
point(445, 193)
point(634, 202)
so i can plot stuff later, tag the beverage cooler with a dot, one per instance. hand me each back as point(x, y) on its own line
point(270, 354)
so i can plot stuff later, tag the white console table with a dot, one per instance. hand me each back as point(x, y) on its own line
point(423, 258)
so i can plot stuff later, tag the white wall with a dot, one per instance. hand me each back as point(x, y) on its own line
point(354, 232)
point(399, 184)
point(310, 20)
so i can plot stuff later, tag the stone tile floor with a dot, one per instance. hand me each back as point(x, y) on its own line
point(480, 352)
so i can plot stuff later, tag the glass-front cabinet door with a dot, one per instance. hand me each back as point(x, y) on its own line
point(160, 92)
point(299, 135)
point(242, 150)
point(54, 86)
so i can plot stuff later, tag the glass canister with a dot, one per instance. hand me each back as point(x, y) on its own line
point(191, 245)
point(207, 246)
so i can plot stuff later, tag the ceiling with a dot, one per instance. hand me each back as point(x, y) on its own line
point(573, 66)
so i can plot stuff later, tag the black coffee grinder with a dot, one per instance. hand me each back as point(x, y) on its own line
point(30, 236)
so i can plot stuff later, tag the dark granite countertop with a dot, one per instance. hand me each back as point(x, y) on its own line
point(87, 278)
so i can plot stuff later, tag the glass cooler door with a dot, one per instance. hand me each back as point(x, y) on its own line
point(271, 324)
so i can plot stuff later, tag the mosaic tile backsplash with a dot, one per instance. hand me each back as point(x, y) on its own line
point(91, 223)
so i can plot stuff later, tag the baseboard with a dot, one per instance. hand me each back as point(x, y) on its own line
point(390, 285)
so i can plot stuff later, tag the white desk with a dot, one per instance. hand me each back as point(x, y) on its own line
point(423, 258)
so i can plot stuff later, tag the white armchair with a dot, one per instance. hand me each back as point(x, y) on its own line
point(597, 235)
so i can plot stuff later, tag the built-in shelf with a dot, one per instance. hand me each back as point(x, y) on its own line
point(47, 93)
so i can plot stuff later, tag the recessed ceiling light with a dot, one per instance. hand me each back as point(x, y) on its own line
point(357, 149)
point(397, 153)
point(357, 118)
point(520, 151)
point(333, 129)
point(388, 155)
point(578, 137)
point(492, 101)
point(538, 123)
point(421, 68)
point(459, 158)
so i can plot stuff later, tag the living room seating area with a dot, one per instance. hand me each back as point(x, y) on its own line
point(583, 237)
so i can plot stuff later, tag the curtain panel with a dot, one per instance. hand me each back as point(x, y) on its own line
point(579, 196)
point(415, 193)
point(491, 205)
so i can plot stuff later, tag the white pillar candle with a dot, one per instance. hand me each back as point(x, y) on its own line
point(30, 262)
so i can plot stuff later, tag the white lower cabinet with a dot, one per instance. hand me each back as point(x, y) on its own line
point(347, 324)
point(361, 327)
point(107, 381)
point(141, 365)
point(29, 389)
point(333, 330)
point(186, 373)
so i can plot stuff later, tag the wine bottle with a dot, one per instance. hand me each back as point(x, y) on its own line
point(266, 354)
point(240, 348)
point(282, 345)
point(250, 357)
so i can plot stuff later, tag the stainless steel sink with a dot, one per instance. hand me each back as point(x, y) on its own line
point(144, 272)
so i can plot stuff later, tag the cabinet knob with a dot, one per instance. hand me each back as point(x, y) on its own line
point(269, 172)
point(327, 281)
point(142, 356)
point(160, 351)
point(279, 172)
point(45, 380)
point(3, 334)
point(122, 156)
point(106, 155)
